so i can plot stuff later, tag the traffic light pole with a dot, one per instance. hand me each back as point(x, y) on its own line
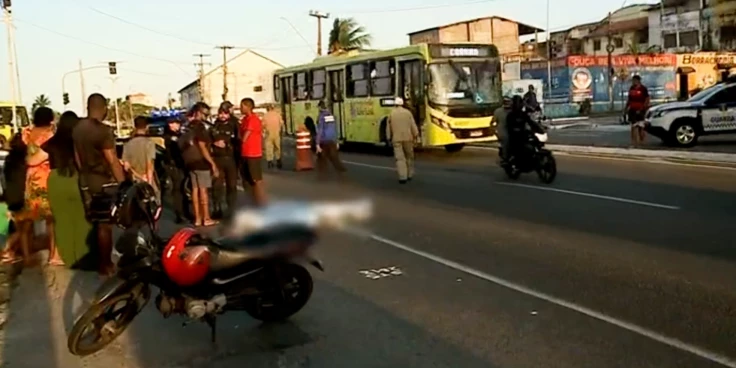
point(549, 56)
point(114, 96)
point(81, 81)
point(11, 67)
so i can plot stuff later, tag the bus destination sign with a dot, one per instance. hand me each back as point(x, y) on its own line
point(459, 51)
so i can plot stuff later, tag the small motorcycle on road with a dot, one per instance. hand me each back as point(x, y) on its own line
point(253, 269)
point(531, 157)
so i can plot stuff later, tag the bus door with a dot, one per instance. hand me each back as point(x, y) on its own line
point(286, 104)
point(336, 102)
point(412, 89)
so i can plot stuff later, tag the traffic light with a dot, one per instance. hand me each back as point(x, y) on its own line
point(66, 98)
point(113, 68)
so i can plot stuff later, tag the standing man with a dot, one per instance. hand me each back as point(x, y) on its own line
point(499, 116)
point(226, 185)
point(196, 152)
point(530, 100)
point(251, 129)
point(402, 131)
point(235, 123)
point(139, 154)
point(100, 173)
point(636, 109)
point(326, 141)
point(274, 124)
point(176, 170)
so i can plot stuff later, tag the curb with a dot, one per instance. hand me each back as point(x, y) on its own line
point(706, 157)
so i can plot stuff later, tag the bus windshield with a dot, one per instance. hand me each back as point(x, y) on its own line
point(464, 83)
point(6, 116)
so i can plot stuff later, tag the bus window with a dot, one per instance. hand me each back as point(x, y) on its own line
point(286, 91)
point(319, 80)
point(276, 88)
point(358, 81)
point(302, 89)
point(382, 78)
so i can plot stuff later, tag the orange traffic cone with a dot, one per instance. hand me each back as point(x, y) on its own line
point(303, 150)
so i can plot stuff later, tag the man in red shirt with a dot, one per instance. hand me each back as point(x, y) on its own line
point(251, 132)
point(636, 108)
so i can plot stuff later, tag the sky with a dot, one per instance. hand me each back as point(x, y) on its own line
point(153, 41)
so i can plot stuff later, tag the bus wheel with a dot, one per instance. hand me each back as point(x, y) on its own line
point(452, 148)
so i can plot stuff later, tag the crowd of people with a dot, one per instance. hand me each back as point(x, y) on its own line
point(66, 174)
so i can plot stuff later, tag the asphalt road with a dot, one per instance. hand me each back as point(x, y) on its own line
point(617, 264)
point(611, 134)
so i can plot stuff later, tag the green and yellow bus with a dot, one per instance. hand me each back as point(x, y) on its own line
point(6, 122)
point(452, 89)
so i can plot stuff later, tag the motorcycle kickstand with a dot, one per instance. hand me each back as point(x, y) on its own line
point(212, 322)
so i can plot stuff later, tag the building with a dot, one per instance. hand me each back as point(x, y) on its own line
point(570, 41)
point(626, 30)
point(140, 99)
point(721, 26)
point(502, 32)
point(249, 74)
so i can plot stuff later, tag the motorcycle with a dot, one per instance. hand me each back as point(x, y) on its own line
point(532, 157)
point(255, 269)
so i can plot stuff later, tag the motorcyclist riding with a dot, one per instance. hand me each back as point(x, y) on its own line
point(517, 121)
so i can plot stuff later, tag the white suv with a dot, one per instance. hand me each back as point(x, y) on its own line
point(709, 112)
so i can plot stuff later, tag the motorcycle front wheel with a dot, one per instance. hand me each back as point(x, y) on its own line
point(103, 322)
point(547, 170)
point(285, 296)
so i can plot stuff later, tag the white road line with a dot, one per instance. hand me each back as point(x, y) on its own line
point(672, 342)
point(378, 167)
point(591, 195)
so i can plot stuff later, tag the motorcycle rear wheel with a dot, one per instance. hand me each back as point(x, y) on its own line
point(105, 329)
point(547, 171)
point(296, 286)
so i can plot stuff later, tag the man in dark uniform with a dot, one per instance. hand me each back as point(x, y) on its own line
point(236, 132)
point(223, 135)
point(176, 170)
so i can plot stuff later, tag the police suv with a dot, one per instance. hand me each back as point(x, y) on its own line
point(709, 112)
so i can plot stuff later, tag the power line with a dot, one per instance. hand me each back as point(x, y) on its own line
point(103, 46)
point(425, 7)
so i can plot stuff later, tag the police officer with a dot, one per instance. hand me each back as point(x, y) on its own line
point(176, 170)
point(223, 135)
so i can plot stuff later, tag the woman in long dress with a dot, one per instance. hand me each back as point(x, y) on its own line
point(72, 229)
point(36, 206)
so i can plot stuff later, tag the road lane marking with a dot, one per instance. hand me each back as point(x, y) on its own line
point(669, 341)
point(591, 195)
point(378, 167)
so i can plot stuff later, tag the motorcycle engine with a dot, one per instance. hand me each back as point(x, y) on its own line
point(169, 305)
point(193, 308)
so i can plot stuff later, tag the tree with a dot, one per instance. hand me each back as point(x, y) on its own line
point(41, 101)
point(346, 34)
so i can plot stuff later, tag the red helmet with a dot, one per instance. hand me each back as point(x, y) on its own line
point(185, 262)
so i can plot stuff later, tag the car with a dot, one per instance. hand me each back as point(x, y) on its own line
point(711, 111)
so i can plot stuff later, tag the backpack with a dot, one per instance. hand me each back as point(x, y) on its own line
point(189, 150)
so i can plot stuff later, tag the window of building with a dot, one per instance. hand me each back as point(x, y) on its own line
point(642, 36)
point(596, 45)
point(689, 39)
point(319, 81)
point(618, 42)
point(276, 88)
point(670, 41)
point(358, 80)
point(301, 87)
point(258, 89)
point(382, 78)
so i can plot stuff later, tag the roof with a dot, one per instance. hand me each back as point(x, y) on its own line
point(584, 25)
point(324, 61)
point(618, 27)
point(524, 29)
point(194, 82)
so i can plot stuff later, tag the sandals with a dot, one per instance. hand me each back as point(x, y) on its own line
point(56, 263)
point(209, 223)
point(10, 258)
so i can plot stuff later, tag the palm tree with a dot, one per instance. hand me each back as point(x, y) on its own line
point(41, 101)
point(346, 34)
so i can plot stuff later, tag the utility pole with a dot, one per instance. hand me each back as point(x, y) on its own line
point(224, 49)
point(200, 73)
point(11, 61)
point(549, 55)
point(609, 50)
point(81, 82)
point(319, 16)
point(113, 70)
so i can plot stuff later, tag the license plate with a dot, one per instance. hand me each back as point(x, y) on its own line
point(476, 133)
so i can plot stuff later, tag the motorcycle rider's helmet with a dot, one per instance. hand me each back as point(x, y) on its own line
point(186, 261)
point(136, 204)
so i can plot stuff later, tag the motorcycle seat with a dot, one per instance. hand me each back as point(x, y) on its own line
point(229, 252)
